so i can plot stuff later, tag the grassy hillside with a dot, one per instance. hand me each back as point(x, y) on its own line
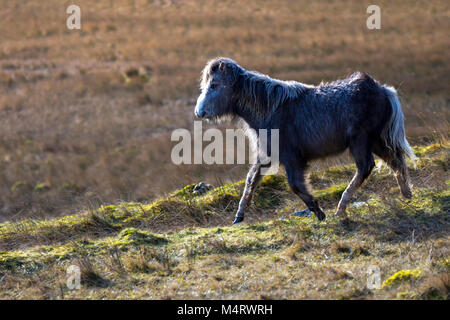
point(182, 246)
point(86, 115)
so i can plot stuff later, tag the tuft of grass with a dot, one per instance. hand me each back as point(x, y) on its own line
point(90, 276)
point(437, 288)
point(139, 236)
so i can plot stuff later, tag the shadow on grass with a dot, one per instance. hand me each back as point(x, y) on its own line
point(396, 224)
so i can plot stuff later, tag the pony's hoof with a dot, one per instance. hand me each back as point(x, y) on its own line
point(407, 194)
point(238, 219)
point(321, 216)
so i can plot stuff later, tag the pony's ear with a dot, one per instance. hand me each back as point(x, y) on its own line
point(214, 68)
point(225, 67)
point(229, 70)
point(222, 66)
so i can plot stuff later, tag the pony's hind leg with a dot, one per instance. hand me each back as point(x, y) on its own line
point(296, 181)
point(396, 161)
point(362, 153)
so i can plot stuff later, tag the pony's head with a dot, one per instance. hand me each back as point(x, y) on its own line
point(216, 98)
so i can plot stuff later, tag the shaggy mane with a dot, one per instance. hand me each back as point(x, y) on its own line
point(264, 95)
point(256, 91)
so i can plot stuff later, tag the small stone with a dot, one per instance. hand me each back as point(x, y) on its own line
point(303, 213)
point(358, 204)
point(201, 188)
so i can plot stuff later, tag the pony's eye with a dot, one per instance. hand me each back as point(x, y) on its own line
point(213, 86)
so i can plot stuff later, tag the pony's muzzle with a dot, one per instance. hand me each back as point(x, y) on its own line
point(200, 113)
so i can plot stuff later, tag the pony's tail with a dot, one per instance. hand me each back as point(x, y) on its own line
point(394, 131)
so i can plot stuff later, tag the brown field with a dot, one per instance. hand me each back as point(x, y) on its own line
point(86, 115)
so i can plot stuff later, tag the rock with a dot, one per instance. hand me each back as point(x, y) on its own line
point(358, 204)
point(303, 213)
point(201, 188)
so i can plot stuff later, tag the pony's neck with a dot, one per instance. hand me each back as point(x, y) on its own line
point(249, 117)
point(251, 103)
point(258, 97)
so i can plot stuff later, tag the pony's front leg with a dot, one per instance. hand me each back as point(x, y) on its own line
point(253, 177)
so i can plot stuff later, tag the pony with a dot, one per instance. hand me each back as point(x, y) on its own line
point(357, 113)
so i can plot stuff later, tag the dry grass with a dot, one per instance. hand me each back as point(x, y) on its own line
point(159, 251)
point(86, 116)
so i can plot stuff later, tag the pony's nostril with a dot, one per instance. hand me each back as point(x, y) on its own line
point(199, 114)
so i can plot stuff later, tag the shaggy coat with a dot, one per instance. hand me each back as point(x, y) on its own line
point(313, 121)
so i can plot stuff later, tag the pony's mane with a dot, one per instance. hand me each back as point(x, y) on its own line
point(263, 94)
point(256, 92)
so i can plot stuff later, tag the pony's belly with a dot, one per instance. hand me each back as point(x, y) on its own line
point(324, 148)
point(326, 153)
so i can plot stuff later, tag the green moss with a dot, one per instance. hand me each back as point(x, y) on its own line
point(111, 209)
point(141, 237)
point(339, 172)
point(40, 187)
point(442, 199)
point(443, 264)
point(275, 181)
point(221, 197)
point(127, 238)
point(9, 261)
point(427, 150)
point(400, 276)
point(185, 193)
point(270, 192)
point(18, 184)
point(443, 161)
point(332, 193)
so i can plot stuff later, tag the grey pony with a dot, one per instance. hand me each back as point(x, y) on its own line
point(314, 122)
